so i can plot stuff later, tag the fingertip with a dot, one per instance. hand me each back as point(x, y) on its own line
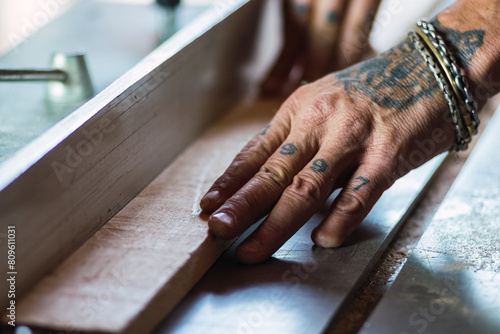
point(325, 240)
point(211, 201)
point(222, 225)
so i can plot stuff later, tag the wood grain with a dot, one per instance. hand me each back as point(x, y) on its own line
point(132, 272)
point(107, 151)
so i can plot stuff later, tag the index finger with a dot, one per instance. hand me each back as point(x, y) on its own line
point(244, 166)
point(307, 193)
point(251, 158)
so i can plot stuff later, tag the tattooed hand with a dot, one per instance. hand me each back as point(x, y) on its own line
point(320, 36)
point(359, 130)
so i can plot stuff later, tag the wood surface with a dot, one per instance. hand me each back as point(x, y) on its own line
point(112, 147)
point(132, 271)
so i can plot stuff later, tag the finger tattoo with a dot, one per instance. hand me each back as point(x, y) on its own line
point(319, 166)
point(364, 181)
point(265, 130)
point(288, 149)
point(332, 17)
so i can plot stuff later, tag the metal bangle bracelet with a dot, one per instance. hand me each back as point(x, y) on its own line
point(461, 81)
point(462, 108)
point(458, 74)
point(461, 143)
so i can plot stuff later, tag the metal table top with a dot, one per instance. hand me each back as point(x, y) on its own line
point(451, 282)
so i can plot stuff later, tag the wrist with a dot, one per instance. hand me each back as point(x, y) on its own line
point(400, 83)
point(470, 31)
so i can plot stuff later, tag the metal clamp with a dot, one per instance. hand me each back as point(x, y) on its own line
point(68, 81)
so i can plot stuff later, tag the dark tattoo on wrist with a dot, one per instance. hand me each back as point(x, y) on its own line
point(463, 45)
point(288, 149)
point(333, 17)
point(319, 166)
point(364, 181)
point(397, 79)
point(265, 130)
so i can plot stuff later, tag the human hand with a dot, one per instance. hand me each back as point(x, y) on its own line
point(359, 129)
point(321, 36)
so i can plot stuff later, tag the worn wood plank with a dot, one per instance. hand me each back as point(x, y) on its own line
point(128, 275)
point(67, 183)
point(303, 287)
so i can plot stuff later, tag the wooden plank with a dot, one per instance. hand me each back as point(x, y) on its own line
point(131, 272)
point(67, 183)
point(302, 288)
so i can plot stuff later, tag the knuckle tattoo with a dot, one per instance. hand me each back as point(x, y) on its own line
point(264, 131)
point(288, 149)
point(364, 182)
point(319, 166)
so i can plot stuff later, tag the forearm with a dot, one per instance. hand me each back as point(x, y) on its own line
point(470, 29)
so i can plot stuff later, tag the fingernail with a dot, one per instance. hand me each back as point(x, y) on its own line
point(223, 218)
point(326, 241)
point(250, 246)
point(208, 199)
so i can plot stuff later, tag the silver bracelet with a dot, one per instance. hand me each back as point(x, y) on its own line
point(456, 71)
point(461, 142)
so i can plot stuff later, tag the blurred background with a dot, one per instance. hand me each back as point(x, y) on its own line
point(117, 34)
point(18, 18)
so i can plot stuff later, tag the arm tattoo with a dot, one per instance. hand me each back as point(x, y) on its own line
point(463, 45)
point(400, 70)
point(362, 179)
point(319, 166)
point(288, 149)
point(265, 130)
point(403, 69)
